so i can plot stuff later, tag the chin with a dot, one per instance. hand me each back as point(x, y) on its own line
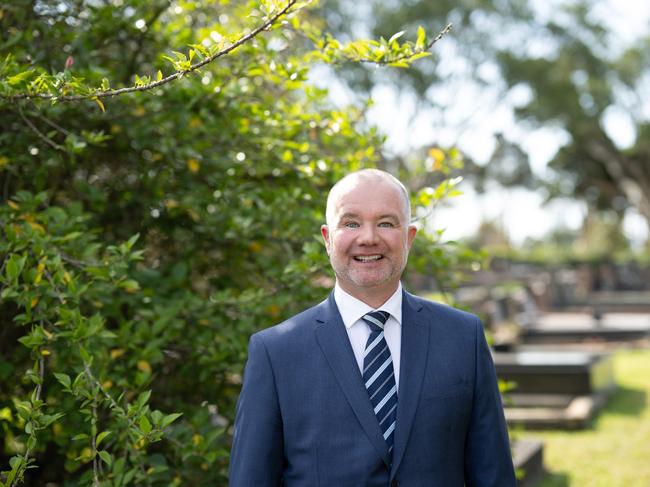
point(370, 282)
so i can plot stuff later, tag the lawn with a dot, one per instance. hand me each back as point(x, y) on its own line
point(615, 450)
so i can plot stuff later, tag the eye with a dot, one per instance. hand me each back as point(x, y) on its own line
point(386, 225)
point(351, 225)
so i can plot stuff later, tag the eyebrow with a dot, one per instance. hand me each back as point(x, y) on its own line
point(387, 216)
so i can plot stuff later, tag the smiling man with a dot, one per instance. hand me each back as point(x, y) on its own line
point(374, 387)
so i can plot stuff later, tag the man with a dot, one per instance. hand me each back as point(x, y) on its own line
point(374, 387)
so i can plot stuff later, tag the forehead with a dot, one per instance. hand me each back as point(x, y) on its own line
point(366, 195)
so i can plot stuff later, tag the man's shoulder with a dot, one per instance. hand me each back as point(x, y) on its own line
point(294, 327)
point(436, 309)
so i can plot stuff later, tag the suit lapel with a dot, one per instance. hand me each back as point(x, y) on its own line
point(334, 341)
point(414, 348)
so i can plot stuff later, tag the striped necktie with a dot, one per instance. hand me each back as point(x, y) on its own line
point(379, 377)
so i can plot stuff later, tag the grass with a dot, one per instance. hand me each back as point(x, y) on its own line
point(615, 450)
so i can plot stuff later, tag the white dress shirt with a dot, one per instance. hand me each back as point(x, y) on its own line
point(352, 310)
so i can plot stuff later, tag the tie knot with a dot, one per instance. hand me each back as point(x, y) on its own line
point(376, 320)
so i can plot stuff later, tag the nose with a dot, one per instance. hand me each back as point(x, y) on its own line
point(368, 235)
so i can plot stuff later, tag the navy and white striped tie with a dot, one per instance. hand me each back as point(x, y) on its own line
point(379, 377)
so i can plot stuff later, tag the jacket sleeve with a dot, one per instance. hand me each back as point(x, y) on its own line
point(488, 461)
point(257, 457)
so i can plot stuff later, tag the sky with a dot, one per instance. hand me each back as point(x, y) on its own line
point(470, 122)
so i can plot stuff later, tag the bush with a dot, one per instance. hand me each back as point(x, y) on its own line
point(146, 236)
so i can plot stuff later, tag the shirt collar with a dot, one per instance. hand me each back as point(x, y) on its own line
point(352, 309)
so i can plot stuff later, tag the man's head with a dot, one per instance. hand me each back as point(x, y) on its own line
point(368, 234)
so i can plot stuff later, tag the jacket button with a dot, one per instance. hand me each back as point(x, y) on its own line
point(394, 483)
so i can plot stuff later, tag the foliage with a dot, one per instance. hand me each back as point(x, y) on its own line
point(147, 230)
point(20, 81)
point(440, 265)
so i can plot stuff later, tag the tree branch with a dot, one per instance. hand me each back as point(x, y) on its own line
point(52, 124)
point(113, 404)
point(402, 57)
point(440, 35)
point(55, 289)
point(40, 134)
point(155, 84)
point(39, 390)
point(94, 444)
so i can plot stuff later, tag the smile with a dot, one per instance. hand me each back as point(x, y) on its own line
point(367, 258)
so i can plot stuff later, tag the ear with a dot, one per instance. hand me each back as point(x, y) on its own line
point(325, 232)
point(410, 235)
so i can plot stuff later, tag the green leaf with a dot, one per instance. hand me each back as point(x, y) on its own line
point(78, 380)
point(15, 462)
point(118, 467)
point(48, 419)
point(169, 419)
point(156, 417)
point(101, 436)
point(24, 409)
point(128, 476)
point(142, 399)
point(420, 43)
point(8, 293)
point(15, 266)
point(395, 36)
point(20, 77)
point(31, 443)
point(131, 242)
point(85, 356)
point(64, 379)
point(100, 104)
point(107, 334)
point(180, 56)
point(145, 425)
point(419, 55)
point(129, 285)
point(106, 457)
point(32, 340)
point(171, 60)
point(71, 236)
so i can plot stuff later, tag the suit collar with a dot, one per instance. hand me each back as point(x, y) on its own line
point(414, 350)
point(334, 342)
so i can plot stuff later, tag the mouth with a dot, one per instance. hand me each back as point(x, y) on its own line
point(368, 258)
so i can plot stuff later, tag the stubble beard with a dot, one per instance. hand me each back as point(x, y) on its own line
point(357, 278)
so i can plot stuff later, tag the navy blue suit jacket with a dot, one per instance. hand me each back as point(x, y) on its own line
point(304, 418)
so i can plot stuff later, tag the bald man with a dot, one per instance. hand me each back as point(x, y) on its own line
point(373, 387)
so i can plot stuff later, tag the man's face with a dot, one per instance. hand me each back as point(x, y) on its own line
point(369, 237)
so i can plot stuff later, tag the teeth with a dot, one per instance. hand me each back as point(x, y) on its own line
point(368, 258)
